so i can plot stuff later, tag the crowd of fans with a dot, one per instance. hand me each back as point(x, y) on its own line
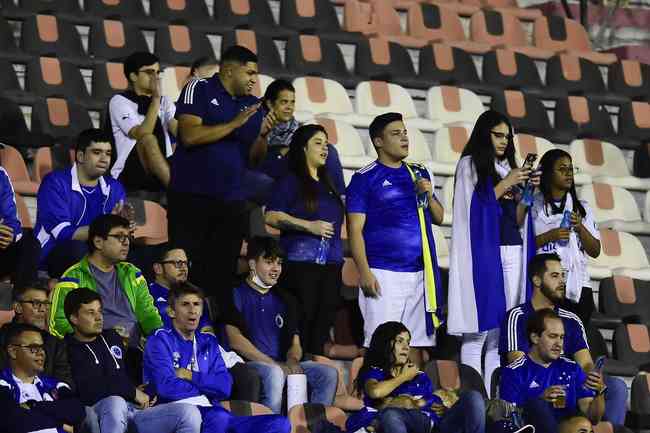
point(105, 350)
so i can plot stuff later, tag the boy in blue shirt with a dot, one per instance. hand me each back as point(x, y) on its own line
point(545, 385)
point(183, 365)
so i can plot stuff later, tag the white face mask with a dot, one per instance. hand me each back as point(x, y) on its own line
point(258, 281)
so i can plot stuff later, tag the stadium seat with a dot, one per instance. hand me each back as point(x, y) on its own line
point(186, 12)
point(43, 164)
point(108, 79)
point(621, 254)
point(48, 76)
point(507, 6)
point(448, 144)
point(316, 56)
point(23, 215)
point(633, 124)
point(114, 40)
point(267, 53)
point(123, 10)
point(173, 79)
point(630, 78)
point(453, 105)
point(526, 112)
point(316, 95)
point(507, 69)
point(10, 86)
point(13, 128)
point(46, 35)
point(314, 17)
point(245, 408)
point(442, 64)
point(419, 150)
point(231, 14)
point(6, 316)
point(614, 208)
point(8, 48)
point(377, 97)
point(631, 344)
point(383, 60)
point(60, 119)
point(624, 297)
point(304, 417)
point(526, 143)
point(450, 375)
point(178, 44)
point(608, 427)
point(348, 143)
point(21, 9)
point(638, 52)
point(605, 163)
point(442, 247)
point(561, 34)
point(447, 201)
point(12, 161)
point(638, 417)
point(438, 23)
point(154, 230)
point(580, 117)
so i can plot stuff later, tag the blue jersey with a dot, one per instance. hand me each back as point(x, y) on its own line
point(300, 246)
point(525, 379)
point(8, 210)
point(513, 331)
point(214, 169)
point(160, 295)
point(387, 197)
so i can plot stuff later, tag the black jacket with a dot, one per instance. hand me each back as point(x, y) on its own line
point(98, 368)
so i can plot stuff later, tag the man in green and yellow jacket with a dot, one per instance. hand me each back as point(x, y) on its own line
point(127, 305)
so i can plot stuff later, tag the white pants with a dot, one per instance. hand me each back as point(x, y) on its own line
point(401, 300)
point(472, 348)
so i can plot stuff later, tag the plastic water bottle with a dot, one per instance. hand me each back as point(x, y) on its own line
point(422, 197)
point(323, 251)
point(565, 224)
point(527, 197)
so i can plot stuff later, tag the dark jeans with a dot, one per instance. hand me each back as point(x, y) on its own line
point(245, 383)
point(466, 416)
point(20, 260)
point(64, 255)
point(317, 289)
point(211, 233)
point(541, 415)
point(394, 420)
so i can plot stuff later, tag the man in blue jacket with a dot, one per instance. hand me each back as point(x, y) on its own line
point(30, 401)
point(183, 365)
point(70, 199)
point(18, 251)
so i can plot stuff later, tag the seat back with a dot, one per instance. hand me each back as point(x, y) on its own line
point(321, 95)
point(610, 202)
point(373, 98)
point(598, 158)
point(453, 105)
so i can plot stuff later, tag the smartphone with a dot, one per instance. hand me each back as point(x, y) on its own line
point(600, 363)
point(530, 160)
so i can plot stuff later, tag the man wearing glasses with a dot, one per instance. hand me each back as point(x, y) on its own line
point(30, 400)
point(31, 306)
point(142, 121)
point(128, 306)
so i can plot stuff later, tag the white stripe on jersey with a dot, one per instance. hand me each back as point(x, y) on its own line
point(516, 364)
point(189, 91)
point(569, 315)
point(367, 167)
point(513, 318)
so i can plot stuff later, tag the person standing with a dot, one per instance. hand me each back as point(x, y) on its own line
point(391, 206)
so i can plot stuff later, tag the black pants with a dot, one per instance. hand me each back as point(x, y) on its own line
point(245, 383)
point(318, 291)
point(20, 260)
point(211, 233)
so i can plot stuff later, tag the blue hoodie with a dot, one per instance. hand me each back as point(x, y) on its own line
point(62, 206)
point(8, 212)
point(166, 351)
point(57, 407)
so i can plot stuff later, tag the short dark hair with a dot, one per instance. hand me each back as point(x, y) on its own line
point(89, 136)
point(36, 284)
point(78, 297)
point(238, 54)
point(536, 324)
point(102, 226)
point(378, 124)
point(202, 61)
point(161, 253)
point(263, 246)
point(15, 330)
point(273, 90)
point(537, 265)
point(182, 289)
point(135, 61)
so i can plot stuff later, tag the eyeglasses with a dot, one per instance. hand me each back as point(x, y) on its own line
point(33, 348)
point(178, 264)
point(568, 170)
point(121, 238)
point(38, 305)
point(150, 72)
point(501, 135)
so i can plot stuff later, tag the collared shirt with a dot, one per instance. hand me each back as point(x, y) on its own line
point(214, 169)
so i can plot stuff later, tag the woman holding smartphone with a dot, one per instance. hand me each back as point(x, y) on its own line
point(491, 240)
point(565, 225)
point(308, 209)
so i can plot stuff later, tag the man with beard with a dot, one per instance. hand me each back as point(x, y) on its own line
point(548, 281)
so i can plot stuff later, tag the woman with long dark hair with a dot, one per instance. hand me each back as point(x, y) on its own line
point(488, 249)
point(308, 209)
point(401, 397)
point(572, 240)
